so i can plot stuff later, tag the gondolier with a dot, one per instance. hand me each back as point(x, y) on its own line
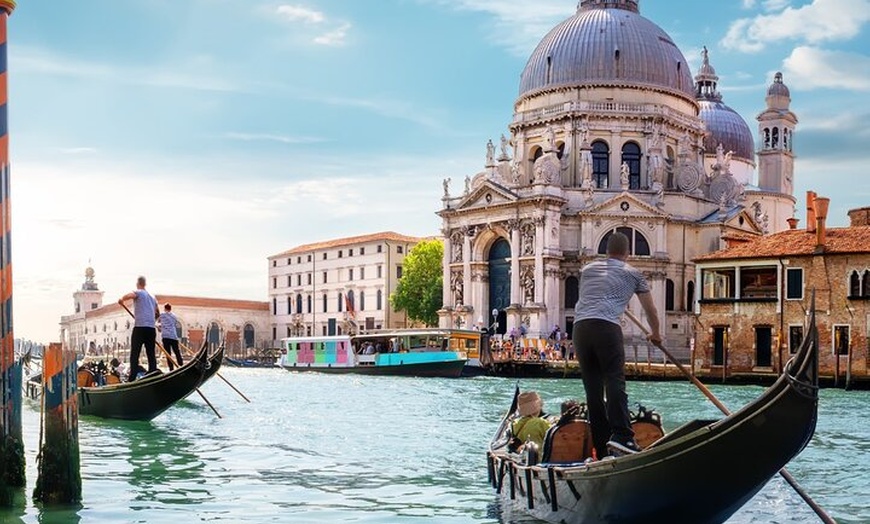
point(144, 330)
point(606, 286)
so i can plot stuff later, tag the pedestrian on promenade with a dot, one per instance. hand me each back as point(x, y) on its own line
point(606, 286)
point(169, 334)
point(145, 313)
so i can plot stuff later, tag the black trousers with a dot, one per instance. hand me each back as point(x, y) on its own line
point(601, 355)
point(146, 336)
point(171, 346)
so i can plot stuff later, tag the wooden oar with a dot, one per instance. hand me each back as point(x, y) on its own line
point(189, 350)
point(169, 357)
point(709, 394)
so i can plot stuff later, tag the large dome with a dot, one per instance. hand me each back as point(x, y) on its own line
point(725, 126)
point(607, 43)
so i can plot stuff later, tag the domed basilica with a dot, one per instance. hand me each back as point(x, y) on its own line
point(611, 133)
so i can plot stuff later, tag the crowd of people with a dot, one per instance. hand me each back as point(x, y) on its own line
point(554, 349)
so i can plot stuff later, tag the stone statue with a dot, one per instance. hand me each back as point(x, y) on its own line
point(490, 153)
point(655, 141)
point(584, 133)
point(527, 281)
point(623, 175)
point(515, 173)
point(446, 184)
point(456, 285)
point(720, 156)
point(551, 139)
point(467, 184)
point(504, 148)
point(527, 237)
point(658, 197)
point(726, 163)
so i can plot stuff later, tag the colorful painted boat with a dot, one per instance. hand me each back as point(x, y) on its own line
point(702, 472)
point(421, 353)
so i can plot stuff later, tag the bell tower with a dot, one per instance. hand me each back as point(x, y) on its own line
point(89, 297)
point(776, 126)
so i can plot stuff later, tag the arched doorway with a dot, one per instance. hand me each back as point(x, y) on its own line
point(214, 335)
point(249, 336)
point(499, 283)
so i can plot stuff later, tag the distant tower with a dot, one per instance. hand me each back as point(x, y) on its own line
point(89, 297)
point(776, 126)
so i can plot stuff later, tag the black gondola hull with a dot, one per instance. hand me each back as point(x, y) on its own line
point(145, 398)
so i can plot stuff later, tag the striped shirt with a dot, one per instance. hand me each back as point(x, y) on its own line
point(144, 307)
point(168, 326)
point(606, 286)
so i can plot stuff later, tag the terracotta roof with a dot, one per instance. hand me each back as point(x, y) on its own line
point(389, 236)
point(178, 301)
point(796, 242)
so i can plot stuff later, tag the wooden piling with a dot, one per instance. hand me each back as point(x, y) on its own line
point(59, 480)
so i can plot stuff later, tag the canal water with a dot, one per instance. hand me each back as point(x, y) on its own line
point(319, 448)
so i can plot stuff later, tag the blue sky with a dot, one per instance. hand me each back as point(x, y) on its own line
point(187, 140)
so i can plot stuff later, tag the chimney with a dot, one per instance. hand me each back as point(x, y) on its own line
point(821, 212)
point(860, 217)
point(792, 222)
point(811, 212)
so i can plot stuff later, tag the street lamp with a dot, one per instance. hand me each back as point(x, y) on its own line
point(494, 326)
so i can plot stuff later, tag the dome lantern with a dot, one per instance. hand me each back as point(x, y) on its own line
point(628, 5)
point(724, 125)
point(778, 95)
point(707, 81)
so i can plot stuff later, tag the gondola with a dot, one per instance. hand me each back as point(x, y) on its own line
point(214, 364)
point(702, 472)
point(147, 397)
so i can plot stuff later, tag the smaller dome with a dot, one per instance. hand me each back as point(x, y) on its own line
point(777, 88)
point(725, 126)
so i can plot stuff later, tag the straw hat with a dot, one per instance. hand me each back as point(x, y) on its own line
point(530, 404)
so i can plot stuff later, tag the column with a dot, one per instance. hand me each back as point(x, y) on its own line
point(539, 259)
point(446, 293)
point(516, 250)
point(466, 266)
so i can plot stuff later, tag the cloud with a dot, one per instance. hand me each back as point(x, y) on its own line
point(814, 68)
point(819, 21)
point(295, 13)
point(517, 27)
point(34, 60)
point(336, 37)
point(266, 137)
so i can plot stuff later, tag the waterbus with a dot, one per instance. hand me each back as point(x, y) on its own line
point(411, 352)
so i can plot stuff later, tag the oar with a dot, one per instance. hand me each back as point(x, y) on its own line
point(188, 349)
point(709, 394)
point(169, 357)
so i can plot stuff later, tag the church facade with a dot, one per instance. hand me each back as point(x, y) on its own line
point(610, 132)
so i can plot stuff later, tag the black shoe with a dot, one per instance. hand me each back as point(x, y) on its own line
point(620, 449)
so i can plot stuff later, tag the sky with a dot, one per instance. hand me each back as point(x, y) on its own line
point(188, 140)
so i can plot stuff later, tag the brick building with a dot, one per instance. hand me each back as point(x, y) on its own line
point(755, 297)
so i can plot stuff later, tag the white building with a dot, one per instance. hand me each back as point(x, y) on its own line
point(337, 286)
point(611, 133)
point(97, 329)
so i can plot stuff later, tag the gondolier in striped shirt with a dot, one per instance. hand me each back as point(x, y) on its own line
point(145, 314)
point(606, 286)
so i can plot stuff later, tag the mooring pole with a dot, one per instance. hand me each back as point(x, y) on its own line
point(11, 446)
point(59, 480)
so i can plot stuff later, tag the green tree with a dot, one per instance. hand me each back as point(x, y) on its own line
point(419, 289)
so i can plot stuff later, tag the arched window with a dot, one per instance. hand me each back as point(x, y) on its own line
point(855, 285)
point(351, 306)
point(214, 334)
point(669, 295)
point(289, 305)
point(340, 300)
point(299, 303)
point(637, 243)
point(785, 139)
point(572, 292)
point(774, 139)
point(865, 284)
point(249, 335)
point(560, 150)
point(362, 300)
point(766, 138)
point(631, 156)
point(325, 307)
point(380, 300)
point(310, 304)
point(690, 296)
point(600, 163)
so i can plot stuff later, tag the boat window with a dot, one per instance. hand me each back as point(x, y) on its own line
point(718, 283)
point(758, 282)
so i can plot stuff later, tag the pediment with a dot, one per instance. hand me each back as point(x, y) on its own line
point(624, 204)
point(488, 193)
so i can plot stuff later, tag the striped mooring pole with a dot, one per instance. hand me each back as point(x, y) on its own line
point(11, 444)
point(59, 480)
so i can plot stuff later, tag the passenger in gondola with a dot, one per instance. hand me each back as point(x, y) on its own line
point(606, 286)
point(532, 424)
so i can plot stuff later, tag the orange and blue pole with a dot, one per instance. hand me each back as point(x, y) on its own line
point(11, 445)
